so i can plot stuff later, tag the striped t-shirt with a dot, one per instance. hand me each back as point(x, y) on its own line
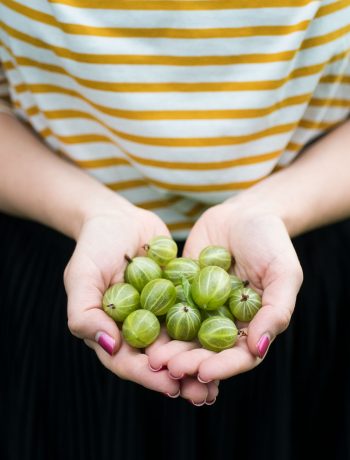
point(177, 105)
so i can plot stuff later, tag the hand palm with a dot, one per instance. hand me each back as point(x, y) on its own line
point(99, 261)
point(264, 256)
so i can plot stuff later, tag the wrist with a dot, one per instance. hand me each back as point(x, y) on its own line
point(255, 204)
point(102, 204)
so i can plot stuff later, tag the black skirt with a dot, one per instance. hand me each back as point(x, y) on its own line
point(57, 401)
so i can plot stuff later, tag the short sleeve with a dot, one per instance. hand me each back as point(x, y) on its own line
point(4, 93)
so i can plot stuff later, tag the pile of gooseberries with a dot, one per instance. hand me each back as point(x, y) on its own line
point(195, 299)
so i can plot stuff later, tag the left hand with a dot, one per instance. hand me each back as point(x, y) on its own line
point(264, 255)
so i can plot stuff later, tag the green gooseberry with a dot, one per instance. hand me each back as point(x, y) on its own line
point(180, 294)
point(140, 271)
point(215, 255)
point(222, 311)
point(162, 249)
point(237, 283)
point(244, 303)
point(158, 296)
point(181, 267)
point(217, 333)
point(183, 322)
point(141, 328)
point(119, 300)
point(211, 288)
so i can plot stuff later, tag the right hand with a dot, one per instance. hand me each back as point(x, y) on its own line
point(99, 261)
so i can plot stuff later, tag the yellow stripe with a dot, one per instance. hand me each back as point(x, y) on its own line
point(222, 164)
point(344, 79)
point(86, 138)
point(181, 165)
point(151, 59)
point(179, 226)
point(198, 142)
point(167, 114)
point(183, 87)
point(182, 141)
point(157, 204)
point(317, 102)
point(32, 111)
point(332, 8)
point(205, 187)
point(196, 209)
point(312, 124)
point(46, 133)
point(176, 60)
point(327, 38)
point(226, 32)
point(101, 163)
point(8, 65)
point(182, 5)
point(293, 146)
point(171, 32)
point(128, 184)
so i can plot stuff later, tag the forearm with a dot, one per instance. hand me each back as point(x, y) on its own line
point(37, 184)
point(311, 192)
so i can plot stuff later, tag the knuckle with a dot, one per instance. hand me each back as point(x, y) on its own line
point(284, 319)
point(297, 272)
point(66, 274)
point(75, 325)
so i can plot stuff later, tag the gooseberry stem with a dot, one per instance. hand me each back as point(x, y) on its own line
point(127, 258)
point(145, 247)
point(245, 283)
point(242, 333)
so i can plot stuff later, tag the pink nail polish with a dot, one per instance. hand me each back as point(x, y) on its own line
point(176, 378)
point(263, 345)
point(106, 342)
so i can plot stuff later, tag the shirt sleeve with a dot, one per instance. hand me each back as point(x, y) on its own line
point(4, 93)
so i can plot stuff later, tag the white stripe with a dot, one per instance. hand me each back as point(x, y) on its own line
point(177, 19)
point(179, 129)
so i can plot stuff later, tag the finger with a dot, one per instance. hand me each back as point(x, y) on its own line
point(196, 241)
point(228, 363)
point(188, 362)
point(160, 356)
point(194, 391)
point(213, 392)
point(162, 339)
point(131, 364)
point(86, 319)
point(278, 302)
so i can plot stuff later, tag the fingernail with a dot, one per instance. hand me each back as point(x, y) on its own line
point(202, 381)
point(210, 403)
point(176, 378)
point(217, 382)
point(176, 395)
point(198, 404)
point(155, 370)
point(263, 345)
point(106, 342)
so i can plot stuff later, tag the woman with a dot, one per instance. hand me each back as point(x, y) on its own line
point(199, 120)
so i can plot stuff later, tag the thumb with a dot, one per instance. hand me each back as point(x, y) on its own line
point(86, 319)
point(278, 302)
point(196, 241)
